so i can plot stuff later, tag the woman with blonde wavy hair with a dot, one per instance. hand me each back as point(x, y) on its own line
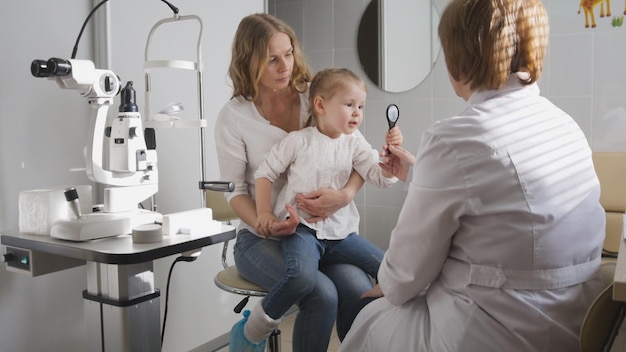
point(270, 99)
point(497, 247)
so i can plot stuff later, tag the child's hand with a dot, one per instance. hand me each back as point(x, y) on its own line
point(264, 223)
point(394, 136)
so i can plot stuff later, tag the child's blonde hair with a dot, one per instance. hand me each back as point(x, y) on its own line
point(484, 41)
point(326, 83)
point(250, 55)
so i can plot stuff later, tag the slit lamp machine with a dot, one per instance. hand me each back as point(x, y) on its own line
point(128, 165)
point(121, 156)
point(121, 302)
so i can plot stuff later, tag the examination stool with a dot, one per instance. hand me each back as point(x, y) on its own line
point(229, 279)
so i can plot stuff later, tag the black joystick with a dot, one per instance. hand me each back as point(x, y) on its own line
point(71, 195)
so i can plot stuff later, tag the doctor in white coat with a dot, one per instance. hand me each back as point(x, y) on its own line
point(497, 246)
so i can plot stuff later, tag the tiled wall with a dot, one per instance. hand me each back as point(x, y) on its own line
point(584, 74)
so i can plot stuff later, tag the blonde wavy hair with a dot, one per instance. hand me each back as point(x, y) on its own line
point(326, 83)
point(250, 55)
point(484, 41)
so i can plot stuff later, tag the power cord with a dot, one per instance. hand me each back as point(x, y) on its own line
point(82, 29)
point(182, 258)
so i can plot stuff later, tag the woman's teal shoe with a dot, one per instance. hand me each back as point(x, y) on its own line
point(239, 342)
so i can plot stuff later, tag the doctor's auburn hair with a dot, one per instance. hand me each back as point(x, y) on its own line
point(484, 41)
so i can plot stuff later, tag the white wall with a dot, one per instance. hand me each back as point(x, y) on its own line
point(42, 136)
point(583, 74)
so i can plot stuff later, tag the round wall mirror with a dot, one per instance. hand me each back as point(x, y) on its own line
point(398, 43)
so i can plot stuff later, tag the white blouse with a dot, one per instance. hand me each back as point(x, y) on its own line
point(242, 138)
point(314, 161)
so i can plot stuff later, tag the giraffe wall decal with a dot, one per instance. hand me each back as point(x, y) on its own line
point(588, 5)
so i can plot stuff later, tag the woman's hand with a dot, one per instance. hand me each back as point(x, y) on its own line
point(397, 161)
point(374, 292)
point(322, 203)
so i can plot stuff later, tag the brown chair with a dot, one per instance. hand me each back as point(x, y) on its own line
point(604, 318)
point(229, 279)
point(611, 170)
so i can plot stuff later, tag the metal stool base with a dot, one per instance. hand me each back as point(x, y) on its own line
point(273, 342)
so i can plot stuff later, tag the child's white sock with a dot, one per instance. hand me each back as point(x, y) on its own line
point(259, 325)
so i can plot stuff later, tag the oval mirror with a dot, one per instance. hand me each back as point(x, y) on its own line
point(398, 42)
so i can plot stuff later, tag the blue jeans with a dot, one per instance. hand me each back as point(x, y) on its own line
point(304, 254)
point(335, 294)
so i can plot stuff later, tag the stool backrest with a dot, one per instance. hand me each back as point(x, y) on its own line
point(604, 318)
point(611, 170)
point(221, 209)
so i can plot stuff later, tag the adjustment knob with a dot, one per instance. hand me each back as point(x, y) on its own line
point(8, 257)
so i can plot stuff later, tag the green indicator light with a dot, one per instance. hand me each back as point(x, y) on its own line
point(24, 260)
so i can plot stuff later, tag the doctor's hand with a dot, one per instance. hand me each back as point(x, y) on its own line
point(374, 292)
point(398, 163)
point(321, 203)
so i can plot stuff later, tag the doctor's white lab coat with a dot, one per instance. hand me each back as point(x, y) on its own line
point(497, 246)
